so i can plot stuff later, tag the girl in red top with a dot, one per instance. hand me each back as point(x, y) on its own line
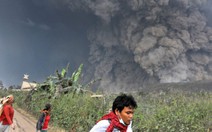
point(43, 122)
point(6, 117)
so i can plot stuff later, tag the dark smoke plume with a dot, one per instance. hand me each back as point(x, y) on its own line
point(146, 41)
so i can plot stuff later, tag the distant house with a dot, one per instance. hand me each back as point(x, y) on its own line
point(26, 85)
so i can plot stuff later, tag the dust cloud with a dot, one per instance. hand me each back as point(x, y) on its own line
point(137, 42)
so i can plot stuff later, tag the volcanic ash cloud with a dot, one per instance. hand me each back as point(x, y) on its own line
point(145, 41)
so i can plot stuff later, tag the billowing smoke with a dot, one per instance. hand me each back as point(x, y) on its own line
point(146, 41)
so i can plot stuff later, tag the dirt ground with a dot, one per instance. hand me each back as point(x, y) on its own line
point(25, 122)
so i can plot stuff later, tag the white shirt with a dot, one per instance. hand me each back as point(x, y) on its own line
point(102, 126)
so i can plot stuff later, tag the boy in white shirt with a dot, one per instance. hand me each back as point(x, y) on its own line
point(120, 118)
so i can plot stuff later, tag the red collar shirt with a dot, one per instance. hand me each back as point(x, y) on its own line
point(7, 115)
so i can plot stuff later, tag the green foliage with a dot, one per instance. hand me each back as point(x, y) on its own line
point(60, 83)
point(165, 111)
point(172, 112)
point(81, 111)
point(63, 72)
point(76, 75)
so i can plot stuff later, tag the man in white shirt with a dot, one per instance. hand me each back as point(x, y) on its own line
point(120, 118)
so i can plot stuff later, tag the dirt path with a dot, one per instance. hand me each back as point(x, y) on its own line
point(25, 122)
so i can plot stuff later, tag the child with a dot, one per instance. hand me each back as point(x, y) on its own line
point(42, 124)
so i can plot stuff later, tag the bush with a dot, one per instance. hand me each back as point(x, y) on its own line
point(156, 112)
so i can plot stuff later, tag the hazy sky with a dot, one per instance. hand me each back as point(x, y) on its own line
point(118, 38)
point(37, 38)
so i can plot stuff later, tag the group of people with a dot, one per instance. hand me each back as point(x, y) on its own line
point(118, 120)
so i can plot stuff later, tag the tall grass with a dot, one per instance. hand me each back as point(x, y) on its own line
point(172, 111)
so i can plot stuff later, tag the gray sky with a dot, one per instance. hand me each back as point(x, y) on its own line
point(37, 38)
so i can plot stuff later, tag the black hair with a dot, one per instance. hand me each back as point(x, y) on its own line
point(47, 107)
point(122, 101)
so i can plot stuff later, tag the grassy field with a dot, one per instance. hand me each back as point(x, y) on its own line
point(161, 108)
